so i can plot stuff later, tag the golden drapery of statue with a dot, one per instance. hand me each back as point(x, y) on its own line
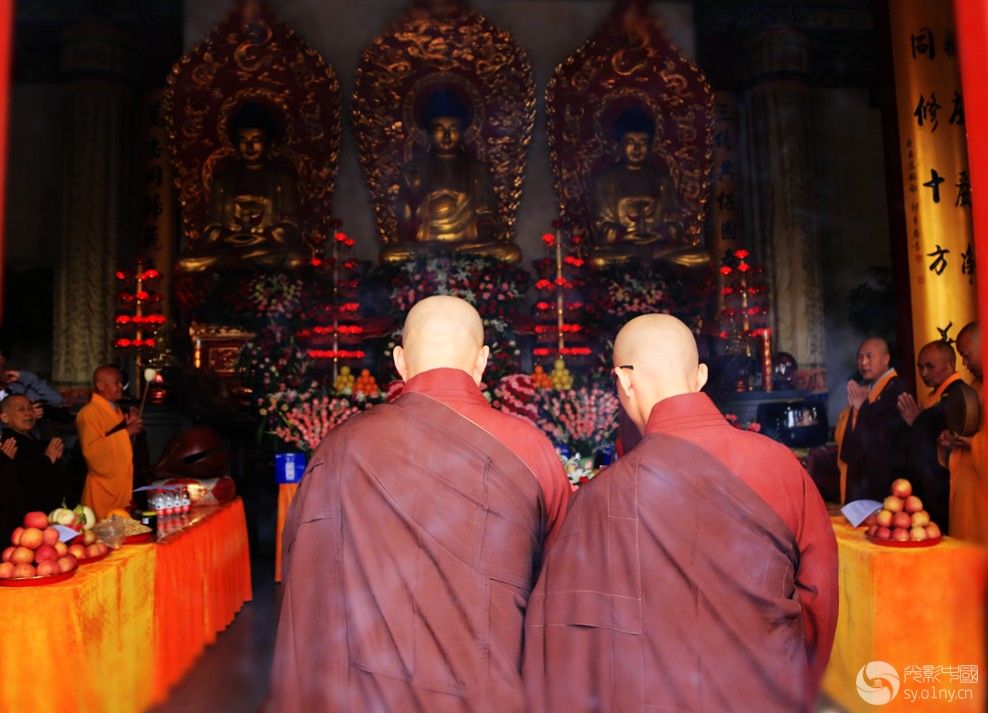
point(444, 107)
point(254, 124)
point(629, 126)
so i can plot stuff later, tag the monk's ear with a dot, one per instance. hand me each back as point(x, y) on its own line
point(623, 381)
point(398, 355)
point(4, 418)
point(701, 376)
point(481, 364)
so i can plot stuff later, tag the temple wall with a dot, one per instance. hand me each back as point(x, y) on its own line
point(851, 215)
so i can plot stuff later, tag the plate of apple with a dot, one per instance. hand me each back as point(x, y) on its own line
point(902, 521)
point(36, 555)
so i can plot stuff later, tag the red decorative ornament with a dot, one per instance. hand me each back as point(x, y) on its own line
point(549, 239)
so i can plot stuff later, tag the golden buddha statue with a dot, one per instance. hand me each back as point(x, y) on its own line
point(252, 217)
point(635, 204)
point(446, 200)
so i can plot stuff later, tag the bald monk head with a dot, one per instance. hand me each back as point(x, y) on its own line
point(969, 347)
point(108, 382)
point(655, 357)
point(442, 331)
point(873, 358)
point(936, 362)
point(17, 412)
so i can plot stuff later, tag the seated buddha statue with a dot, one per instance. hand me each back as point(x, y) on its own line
point(446, 201)
point(252, 217)
point(635, 204)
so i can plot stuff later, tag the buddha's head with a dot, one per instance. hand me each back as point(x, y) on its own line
point(252, 129)
point(634, 131)
point(445, 118)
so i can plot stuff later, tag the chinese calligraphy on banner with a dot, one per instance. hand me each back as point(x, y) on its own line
point(158, 231)
point(723, 219)
point(937, 187)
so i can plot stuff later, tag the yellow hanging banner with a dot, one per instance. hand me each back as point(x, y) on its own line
point(933, 148)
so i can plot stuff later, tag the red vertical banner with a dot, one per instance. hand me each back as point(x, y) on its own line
point(6, 68)
point(972, 39)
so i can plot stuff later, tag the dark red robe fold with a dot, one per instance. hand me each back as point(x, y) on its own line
point(411, 549)
point(675, 586)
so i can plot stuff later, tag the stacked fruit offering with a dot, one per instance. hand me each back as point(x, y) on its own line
point(36, 551)
point(902, 517)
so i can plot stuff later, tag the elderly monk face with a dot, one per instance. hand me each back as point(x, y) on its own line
point(655, 358)
point(18, 413)
point(935, 363)
point(969, 347)
point(873, 358)
point(108, 383)
point(442, 332)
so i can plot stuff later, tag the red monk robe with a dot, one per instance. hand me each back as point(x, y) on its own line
point(699, 573)
point(411, 550)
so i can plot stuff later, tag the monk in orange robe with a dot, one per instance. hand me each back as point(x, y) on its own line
point(966, 459)
point(873, 442)
point(104, 434)
point(699, 573)
point(415, 539)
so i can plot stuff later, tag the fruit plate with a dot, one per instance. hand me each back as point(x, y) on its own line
point(97, 558)
point(37, 581)
point(137, 539)
point(907, 543)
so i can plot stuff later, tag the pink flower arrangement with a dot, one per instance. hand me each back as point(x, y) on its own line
point(584, 419)
point(308, 422)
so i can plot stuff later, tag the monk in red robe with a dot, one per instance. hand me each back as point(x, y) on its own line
point(415, 540)
point(699, 573)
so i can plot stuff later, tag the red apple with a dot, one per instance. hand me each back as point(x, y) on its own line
point(871, 519)
point(93, 551)
point(48, 568)
point(902, 488)
point(900, 534)
point(49, 535)
point(933, 531)
point(917, 534)
point(32, 537)
point(871, 530)
point(88, 537)
point(22, 555)
point(78, 551)
point(67, 563)
point(36, 519)
point(913, 504)
point(894, 504)
point(884, 518)
point(15, 536)
point(902, 519)
point(23, 570)
point(920, 519)
point(5, 557)
point(45, 553)
point(6, 570)
point(103, 548)
point(883, 533)
point(61, 548)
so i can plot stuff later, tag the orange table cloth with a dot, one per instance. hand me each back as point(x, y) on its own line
point(286, 493)
point(122, 631)
point(919, 610)
point(202, 580)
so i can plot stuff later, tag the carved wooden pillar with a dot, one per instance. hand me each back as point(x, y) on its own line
point(98, 71)
point(780, 217)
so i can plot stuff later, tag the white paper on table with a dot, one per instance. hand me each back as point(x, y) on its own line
point(858, 511)
point(65, 533)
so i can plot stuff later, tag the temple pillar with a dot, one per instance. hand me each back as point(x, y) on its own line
point(96, 200)
point(779, 216)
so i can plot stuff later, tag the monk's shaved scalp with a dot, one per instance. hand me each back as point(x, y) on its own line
point(107, 371)
point(442, 331)
point(875, 344)
point(656, 343)
point(940, 347)
point(12, 400)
